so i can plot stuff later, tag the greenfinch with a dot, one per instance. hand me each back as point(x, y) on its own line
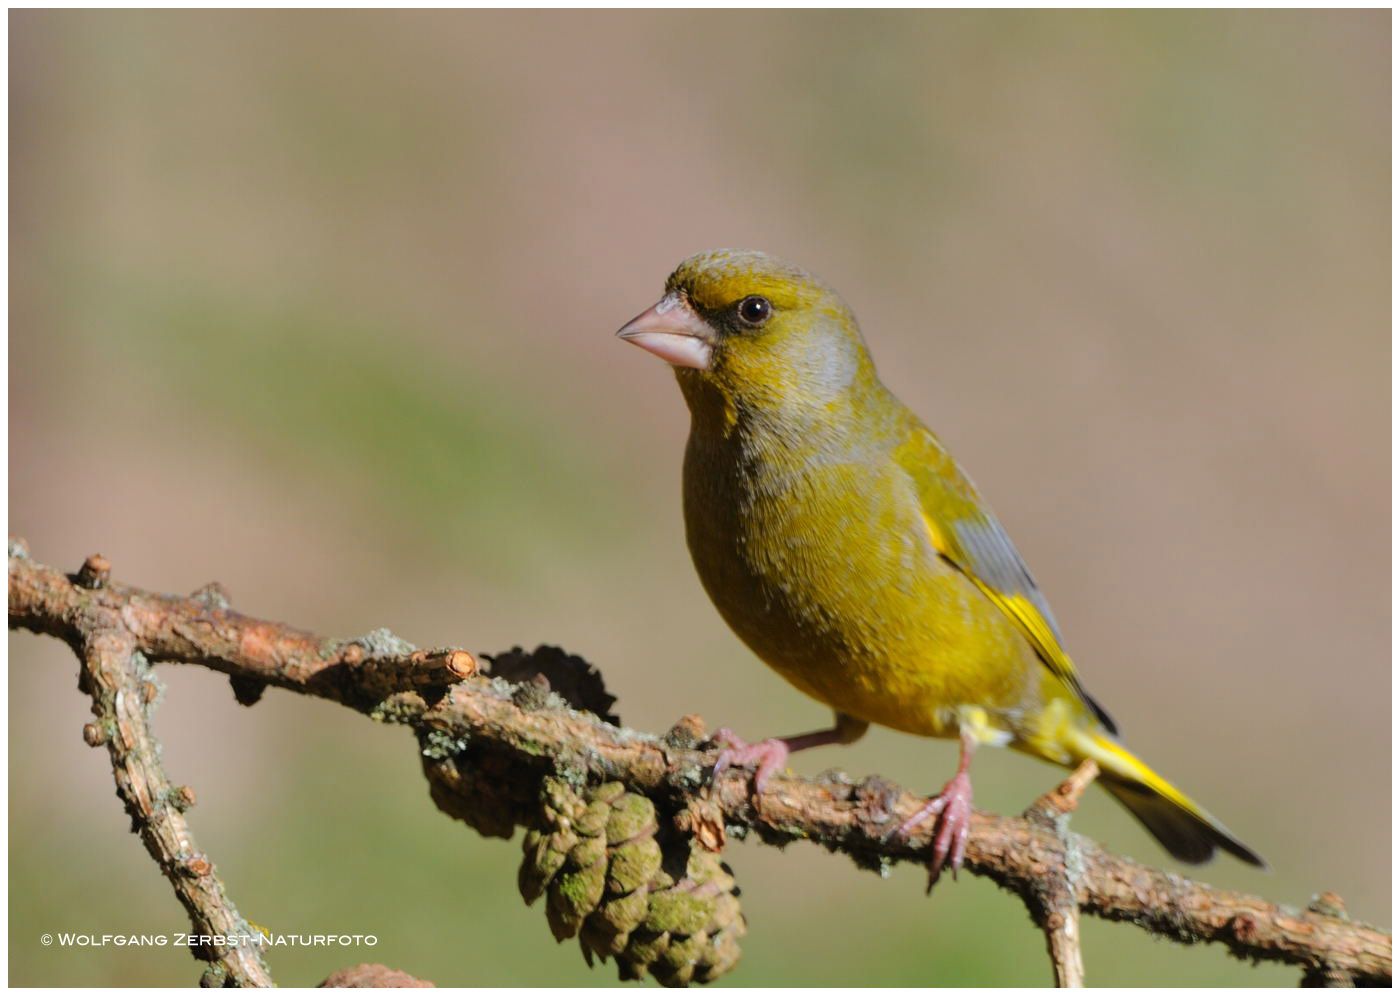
point(846, 548)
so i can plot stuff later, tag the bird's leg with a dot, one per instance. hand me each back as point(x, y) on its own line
point(772, 754)
point(953, 809)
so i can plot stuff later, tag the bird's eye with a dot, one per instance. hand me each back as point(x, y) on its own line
point(754, 310)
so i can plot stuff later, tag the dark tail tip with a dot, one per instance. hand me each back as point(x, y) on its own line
point(1188, 836)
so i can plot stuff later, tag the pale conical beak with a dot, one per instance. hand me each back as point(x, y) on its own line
point(673, 331)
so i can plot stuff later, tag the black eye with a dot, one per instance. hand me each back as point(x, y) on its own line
point(754, 310)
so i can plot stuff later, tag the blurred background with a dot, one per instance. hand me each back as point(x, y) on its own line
point(321, 306)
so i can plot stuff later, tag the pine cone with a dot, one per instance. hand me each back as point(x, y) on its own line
point(477, 784)
point(670, 908)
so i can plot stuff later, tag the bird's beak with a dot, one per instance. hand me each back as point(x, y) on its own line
point(673, 331)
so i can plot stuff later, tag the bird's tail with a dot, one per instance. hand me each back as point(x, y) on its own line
point(1186, 830)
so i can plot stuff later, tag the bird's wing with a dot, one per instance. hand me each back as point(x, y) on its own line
point(967, 535)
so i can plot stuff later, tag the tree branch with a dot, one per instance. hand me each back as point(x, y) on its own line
point(522, 735)
point(1055, 904)
point(123, 689)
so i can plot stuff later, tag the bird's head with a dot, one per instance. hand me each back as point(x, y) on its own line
point(755, 331)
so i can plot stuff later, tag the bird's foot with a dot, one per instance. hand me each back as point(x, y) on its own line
point(771, 755)
point(952, 808)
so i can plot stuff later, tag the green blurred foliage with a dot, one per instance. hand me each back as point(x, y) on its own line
point(320, 304)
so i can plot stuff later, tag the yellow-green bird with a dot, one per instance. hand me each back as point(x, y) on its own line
point(841, 542)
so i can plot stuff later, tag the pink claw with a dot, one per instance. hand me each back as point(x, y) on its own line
point(950, 845)
point(953, 809)
point(771, 756)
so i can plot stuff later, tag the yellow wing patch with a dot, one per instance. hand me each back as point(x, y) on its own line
point(1019, 608)
point(1029, 620)
point(1024, 613)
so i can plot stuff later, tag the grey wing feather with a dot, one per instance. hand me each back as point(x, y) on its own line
point(996, 560)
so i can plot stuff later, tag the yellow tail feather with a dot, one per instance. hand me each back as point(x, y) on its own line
point(1186, 830)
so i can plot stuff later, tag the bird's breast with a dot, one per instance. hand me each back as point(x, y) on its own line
point(819, 561)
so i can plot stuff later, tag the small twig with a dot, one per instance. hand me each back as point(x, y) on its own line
point(123, 689)
point(1054, 906)
point(420, 669)
point(1063, 799)
point(1329, 975)
point(94, 572)
point(1061, 927)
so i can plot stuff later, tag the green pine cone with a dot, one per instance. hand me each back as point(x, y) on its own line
point(598, 859)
